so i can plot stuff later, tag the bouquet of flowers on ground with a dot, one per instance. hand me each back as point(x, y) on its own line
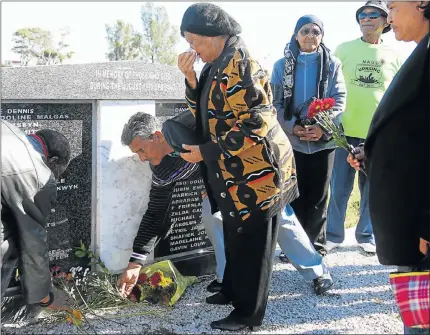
point(320, 111)
point(161, 282)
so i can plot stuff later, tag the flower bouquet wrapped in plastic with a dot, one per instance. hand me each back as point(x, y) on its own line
point(161, 282)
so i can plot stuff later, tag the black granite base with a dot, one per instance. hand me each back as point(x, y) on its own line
point(196, 265)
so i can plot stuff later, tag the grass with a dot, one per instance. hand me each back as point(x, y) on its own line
point(353, 209)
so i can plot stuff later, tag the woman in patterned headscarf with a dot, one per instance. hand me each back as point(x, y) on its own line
point(309, 71)
point(246, 159)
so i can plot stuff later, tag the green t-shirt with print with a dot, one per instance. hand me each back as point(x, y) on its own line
point(368, 70)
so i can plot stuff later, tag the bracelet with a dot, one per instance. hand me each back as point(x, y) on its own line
point(51, 300)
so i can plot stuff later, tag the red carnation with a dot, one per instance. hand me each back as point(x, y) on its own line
point(315, 107)
point(155, 279)
point(142, 278)
point(328, 103)
point(133, 298)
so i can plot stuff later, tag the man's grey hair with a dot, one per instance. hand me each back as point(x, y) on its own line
point(140, 124)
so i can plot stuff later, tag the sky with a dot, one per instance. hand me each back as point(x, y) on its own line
point(266, 26)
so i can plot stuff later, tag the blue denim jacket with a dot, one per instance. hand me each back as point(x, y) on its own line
point(305, 87)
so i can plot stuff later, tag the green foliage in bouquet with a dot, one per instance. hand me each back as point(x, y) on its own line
point(161, 282)
point(86, 289)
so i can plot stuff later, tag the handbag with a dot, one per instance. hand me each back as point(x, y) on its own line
point(411, 291)
point(180, 130)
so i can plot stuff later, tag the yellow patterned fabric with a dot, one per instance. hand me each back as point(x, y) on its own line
point(247, 144)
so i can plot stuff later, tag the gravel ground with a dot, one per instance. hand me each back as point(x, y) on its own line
point(359, 303)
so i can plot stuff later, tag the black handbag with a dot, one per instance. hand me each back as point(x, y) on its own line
point(180, 130)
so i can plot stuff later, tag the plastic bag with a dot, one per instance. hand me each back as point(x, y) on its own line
point(161, 282)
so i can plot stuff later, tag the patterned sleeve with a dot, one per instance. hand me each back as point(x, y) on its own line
point(248, 93)
point(191, 97)
point(278, 96)
point(151, 226)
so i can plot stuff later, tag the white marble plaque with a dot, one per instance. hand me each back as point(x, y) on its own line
point(123, 184)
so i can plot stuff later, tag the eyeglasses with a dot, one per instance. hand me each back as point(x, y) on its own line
point(370, 15)
point(308, 31)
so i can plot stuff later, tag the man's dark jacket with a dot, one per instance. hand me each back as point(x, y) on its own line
point(28, 191)
point(397, 149)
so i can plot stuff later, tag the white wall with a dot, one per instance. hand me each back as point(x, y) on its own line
point(123, 184)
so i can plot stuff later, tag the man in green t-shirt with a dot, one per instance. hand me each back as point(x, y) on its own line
point(368, 65)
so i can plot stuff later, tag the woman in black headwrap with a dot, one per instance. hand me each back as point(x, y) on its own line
point(246, 159)
point(309, 71)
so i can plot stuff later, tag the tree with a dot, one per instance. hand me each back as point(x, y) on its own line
point(25, 40)
point(159, 36)
point(38, 44)
point(124, 42)
point(47, 53)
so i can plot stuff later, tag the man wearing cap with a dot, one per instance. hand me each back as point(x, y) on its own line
point(368, 65)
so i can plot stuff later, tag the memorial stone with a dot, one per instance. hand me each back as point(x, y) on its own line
point(104, 193)
point(187, 235)
point(70, 220)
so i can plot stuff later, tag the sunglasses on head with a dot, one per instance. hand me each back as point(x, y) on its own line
point(370, 15)
point(308, 31)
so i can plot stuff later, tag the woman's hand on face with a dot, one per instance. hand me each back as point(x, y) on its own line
point(185, 64)
point(194, 155)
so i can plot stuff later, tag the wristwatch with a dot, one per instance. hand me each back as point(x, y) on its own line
point(49, 302)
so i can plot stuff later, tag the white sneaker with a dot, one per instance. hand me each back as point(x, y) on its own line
point(368, 247)
point(330, 245)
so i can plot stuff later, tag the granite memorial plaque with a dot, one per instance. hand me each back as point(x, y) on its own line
point(186, 242)
point(70, 220)
point(167, 110)
point(185, 213)
point(121, 80)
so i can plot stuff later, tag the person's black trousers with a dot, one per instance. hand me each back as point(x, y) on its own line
point(313, 178)
point(249, 256)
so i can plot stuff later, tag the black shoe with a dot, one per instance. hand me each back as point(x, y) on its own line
point(322, 284)
point(214, 286)
point(230, 324)
point(218, 299)
point(283, 258)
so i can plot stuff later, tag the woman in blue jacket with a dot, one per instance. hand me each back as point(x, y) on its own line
point(308, 71)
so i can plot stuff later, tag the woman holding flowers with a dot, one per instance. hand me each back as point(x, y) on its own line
point(309, 71)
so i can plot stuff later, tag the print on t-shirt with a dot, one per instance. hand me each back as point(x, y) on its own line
point(368, 74)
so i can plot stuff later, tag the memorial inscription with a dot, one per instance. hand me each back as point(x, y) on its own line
point(187, 234)
point(185, 213)
point(70, 220)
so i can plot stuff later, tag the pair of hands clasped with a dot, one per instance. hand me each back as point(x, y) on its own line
point(308, 133)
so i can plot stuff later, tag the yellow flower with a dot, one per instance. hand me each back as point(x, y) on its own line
point(165, 281)
point(75, 317)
